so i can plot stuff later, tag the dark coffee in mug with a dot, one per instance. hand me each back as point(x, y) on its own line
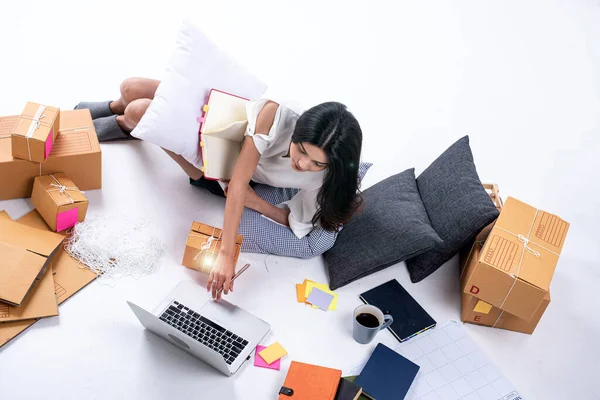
point(367, 320)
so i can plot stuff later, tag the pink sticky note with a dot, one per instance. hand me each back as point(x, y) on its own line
point(259, 362)
point(66, 219)
point(49, 143)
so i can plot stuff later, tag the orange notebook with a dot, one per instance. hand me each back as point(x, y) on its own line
point(310, 382)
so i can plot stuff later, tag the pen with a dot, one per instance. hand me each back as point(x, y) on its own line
point(245, 267)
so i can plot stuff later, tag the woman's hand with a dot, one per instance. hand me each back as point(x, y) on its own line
point(223, 269)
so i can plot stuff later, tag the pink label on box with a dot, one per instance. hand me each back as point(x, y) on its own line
point(49, 143)
point(66, 219)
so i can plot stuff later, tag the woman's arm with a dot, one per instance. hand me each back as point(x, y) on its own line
point(255, 202)
point(224, 266)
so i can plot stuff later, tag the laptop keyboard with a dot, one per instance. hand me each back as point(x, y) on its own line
point(205, 331)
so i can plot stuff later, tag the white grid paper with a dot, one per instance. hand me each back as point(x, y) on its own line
point(453, 367)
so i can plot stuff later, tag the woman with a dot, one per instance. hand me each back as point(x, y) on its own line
point(317, 152)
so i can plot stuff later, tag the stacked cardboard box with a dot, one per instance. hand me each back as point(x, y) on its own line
point(75, 152)
point(506, 275)
point(52, 276)
point(36, 275)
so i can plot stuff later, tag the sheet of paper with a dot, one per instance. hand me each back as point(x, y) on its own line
point(452, 367)
point(272, 353)
point(260, 362)
point(320, 299)
point(323, 286)
point(482, 307)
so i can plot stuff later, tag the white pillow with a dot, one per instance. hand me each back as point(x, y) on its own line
point(196, 67)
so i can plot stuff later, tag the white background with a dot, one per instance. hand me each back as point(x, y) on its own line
point(522, 78)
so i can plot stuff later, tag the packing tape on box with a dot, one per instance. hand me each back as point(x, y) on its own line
point(498, 319)
point(525, 240)
point(34, 125)
point(62, 189)
point(35, 122)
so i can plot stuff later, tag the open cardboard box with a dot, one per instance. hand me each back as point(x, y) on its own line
point(517, 262)
point(41, 302)
point(68, 278)
point(25, 254)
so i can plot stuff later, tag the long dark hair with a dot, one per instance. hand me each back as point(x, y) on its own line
point(332, 128)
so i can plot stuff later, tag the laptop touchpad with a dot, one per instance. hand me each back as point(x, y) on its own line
point(223, 311)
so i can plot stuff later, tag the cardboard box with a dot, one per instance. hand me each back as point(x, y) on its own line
point(201, 251)
point(475, 311)
point(41, 302)
point(10, 330)
point(58, 201)
point(25, 254)
point(35, 132)
point(68, 278)
point(517, 262)
point(494, 193)
point(76, 153)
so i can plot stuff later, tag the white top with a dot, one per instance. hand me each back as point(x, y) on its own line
point(274, 167)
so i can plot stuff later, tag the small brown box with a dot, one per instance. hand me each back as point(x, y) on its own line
point(58, 201)
point(201, 251)
point(35, 132)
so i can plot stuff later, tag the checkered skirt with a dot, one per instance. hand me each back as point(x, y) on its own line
point(265, 237)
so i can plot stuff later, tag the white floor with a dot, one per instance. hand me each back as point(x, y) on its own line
point(522, 78)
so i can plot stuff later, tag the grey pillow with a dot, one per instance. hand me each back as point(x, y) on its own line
point(457, 204)
point(392, 226)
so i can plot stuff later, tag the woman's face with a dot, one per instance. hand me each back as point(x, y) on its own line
point(305, 157)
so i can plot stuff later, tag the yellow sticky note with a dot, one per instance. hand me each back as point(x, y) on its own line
point(323, 286)
point(273, 353)
point(482, 307)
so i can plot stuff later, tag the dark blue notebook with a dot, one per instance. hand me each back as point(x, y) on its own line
point(387, 375)
point(410, 318)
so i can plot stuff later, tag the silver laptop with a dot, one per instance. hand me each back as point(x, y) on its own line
point(218, 333)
